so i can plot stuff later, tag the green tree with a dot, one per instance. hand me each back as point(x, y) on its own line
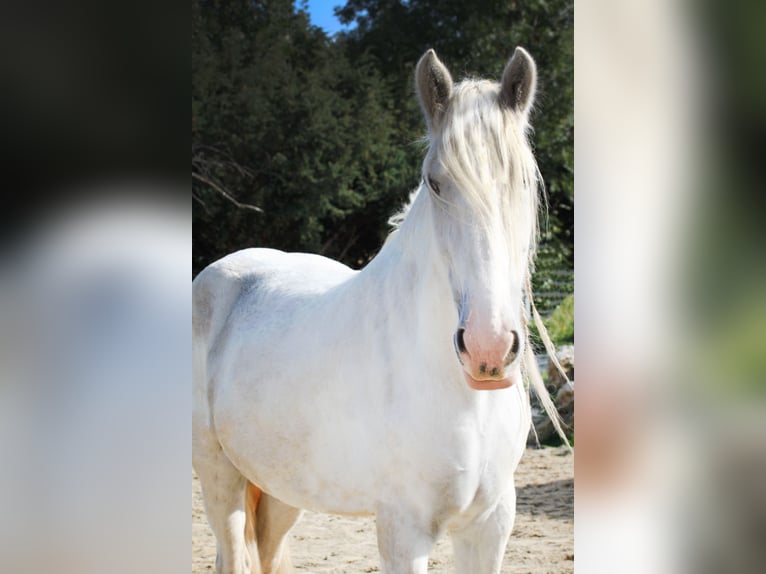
point(292, 143)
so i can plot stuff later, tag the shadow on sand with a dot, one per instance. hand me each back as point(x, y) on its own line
point(553, 499)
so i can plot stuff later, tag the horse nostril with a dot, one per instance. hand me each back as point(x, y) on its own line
point(515, 343)
point(460, 341)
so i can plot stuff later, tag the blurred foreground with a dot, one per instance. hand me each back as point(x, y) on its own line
point(95, 247)
point(671, 338)
point(94, 400)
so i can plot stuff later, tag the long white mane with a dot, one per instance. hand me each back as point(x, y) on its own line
point(478, 144)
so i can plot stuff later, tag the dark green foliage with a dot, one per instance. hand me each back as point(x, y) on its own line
point(323, 134)
point(282, 121)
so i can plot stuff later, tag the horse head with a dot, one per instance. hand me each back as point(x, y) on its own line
point(481, 179)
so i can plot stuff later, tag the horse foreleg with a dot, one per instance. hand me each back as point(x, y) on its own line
point(480, 546)
point(404, 541)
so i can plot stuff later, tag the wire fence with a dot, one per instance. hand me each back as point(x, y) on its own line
point(551, 287)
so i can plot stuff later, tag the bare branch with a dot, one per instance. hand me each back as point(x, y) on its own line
point(202, 203)
point(220, 189)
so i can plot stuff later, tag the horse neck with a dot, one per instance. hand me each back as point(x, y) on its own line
point(408, 281)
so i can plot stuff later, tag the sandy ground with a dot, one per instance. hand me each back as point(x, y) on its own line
point(542, 541)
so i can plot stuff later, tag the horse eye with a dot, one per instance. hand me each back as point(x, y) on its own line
point(434, 186)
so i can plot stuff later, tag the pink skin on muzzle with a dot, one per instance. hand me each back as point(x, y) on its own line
point(486, 354)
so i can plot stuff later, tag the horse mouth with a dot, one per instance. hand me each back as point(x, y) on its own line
point(488, 384)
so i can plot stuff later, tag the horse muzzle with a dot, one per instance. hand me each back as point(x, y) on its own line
point(487, 359)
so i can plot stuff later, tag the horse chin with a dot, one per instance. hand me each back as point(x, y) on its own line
point(488, 385)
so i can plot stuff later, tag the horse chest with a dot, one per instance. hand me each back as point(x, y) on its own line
point(457, 465)
point(484, 461)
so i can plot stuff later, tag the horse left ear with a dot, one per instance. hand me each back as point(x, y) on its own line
point(519, 82)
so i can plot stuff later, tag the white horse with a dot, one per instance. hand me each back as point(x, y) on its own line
point(365, 392)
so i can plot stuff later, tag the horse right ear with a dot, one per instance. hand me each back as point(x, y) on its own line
point(519, 81)
point(434, 87)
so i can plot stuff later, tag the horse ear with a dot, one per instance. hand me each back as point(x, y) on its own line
point(434, 87)
point(519, 82)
